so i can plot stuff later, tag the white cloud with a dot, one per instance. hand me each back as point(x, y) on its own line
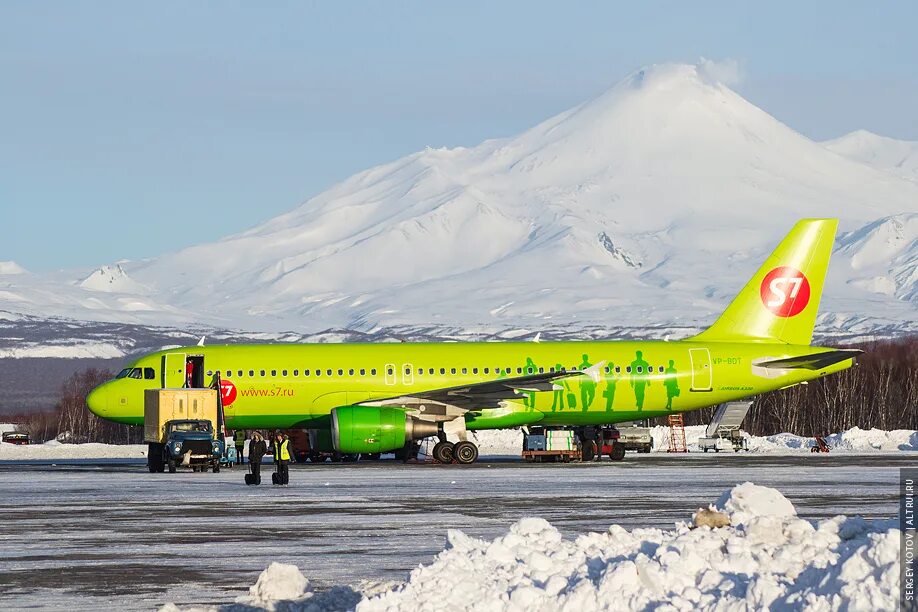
point(727, 71)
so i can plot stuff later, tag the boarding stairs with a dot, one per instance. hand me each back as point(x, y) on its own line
point(726, 425)
point(677, 434)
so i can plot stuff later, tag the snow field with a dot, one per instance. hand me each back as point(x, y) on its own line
point(766, 558)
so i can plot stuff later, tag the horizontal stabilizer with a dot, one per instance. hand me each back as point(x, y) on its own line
point(815, 361)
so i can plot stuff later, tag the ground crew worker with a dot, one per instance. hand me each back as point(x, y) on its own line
point(282, 458)
point(258, 448)
point(239, 438)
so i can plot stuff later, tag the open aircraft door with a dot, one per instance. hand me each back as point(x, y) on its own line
point(702, 376)
point(174, 370)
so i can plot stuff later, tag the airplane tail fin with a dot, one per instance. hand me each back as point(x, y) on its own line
point(780, 302)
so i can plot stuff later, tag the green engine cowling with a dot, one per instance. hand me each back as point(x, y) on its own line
point(375, 429)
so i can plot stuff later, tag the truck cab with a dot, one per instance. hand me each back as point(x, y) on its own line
point(192, 443)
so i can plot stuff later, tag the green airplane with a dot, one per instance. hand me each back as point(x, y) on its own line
point(374, 398)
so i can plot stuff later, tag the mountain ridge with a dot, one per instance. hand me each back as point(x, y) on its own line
point(670, 167)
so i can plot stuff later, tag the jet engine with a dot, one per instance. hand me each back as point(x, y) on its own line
point(375, 429)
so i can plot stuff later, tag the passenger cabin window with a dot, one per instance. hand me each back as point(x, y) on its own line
point(283, 372)
point(474, 370)
point(273, 373)
point(306, 372)
point(390, 371)
point(318, 372)
point(363, 372)
point(328, 372)
point(251, 373)
point(442, 370)
point(628, 369)
point(239, 372)
point(149, 373)
point(350, 372)
point(618, 369)
point(465, 370)
point(262, 372)
point(373, 372)
point(452, 370)
point(340, 372)
point(295, 373)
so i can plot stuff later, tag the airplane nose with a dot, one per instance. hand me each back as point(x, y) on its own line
point(97, 401)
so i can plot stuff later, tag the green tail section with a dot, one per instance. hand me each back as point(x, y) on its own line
point(780, 302)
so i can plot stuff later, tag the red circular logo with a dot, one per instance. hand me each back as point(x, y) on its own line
point(228, 390)
point(785, 291)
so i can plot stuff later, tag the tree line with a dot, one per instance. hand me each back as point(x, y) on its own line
point(880, 391)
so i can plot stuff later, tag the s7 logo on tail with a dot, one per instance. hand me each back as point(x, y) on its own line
point(785, 291)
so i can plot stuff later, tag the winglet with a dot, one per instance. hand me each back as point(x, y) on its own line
point(538, 338)
point(201, 341)
point(595, 371)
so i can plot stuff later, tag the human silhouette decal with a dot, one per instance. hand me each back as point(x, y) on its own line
point(557, 398)
point(671, 382)
point(587, 386)
point(639, 378)
point(609, 392)
point(529, 397)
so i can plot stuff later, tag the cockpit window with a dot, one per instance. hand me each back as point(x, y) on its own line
point(123, 373)
point(136, 373)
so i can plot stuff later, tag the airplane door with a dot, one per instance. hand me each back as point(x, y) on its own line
point(407, 374)
point(702, 376)
point(174, 370)
point(390, 374)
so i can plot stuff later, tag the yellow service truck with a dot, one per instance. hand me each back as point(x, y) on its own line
point(181, 428)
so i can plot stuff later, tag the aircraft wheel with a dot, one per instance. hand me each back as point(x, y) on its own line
point(465, 452)
point(617, 453)
point(443, 452)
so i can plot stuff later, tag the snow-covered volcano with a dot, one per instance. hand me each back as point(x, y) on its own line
point(646, 206)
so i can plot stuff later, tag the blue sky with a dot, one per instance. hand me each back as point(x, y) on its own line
point(128, 129)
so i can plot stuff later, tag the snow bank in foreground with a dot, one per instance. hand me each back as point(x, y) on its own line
point(766, 558)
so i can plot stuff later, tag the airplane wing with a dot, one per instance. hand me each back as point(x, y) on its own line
point(815, 361)
point(450, 402)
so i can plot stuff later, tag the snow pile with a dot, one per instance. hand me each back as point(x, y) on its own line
point(768, 558)
point(279, 581)
point(55, 450)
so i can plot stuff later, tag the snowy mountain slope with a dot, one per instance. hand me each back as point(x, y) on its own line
point(897, 156)
point(10, 268)
point(648, 205)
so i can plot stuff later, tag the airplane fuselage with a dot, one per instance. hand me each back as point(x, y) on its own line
point(297, 386)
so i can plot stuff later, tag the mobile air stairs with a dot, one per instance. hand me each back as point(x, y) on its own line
point(723, 432)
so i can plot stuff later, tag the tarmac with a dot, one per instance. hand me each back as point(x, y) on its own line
point(86, 534)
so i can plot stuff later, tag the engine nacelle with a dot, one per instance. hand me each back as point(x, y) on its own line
point(375, 429)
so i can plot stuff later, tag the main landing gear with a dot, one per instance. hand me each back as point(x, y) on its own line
point(463, 452)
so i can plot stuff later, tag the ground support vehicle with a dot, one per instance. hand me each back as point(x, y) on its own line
point(635, 437)
point(15, 437)
point(180, 428)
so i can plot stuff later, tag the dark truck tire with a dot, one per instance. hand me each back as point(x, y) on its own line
point(216, 468)
point(618, 452)
point(171, 464)
point(587, 450)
